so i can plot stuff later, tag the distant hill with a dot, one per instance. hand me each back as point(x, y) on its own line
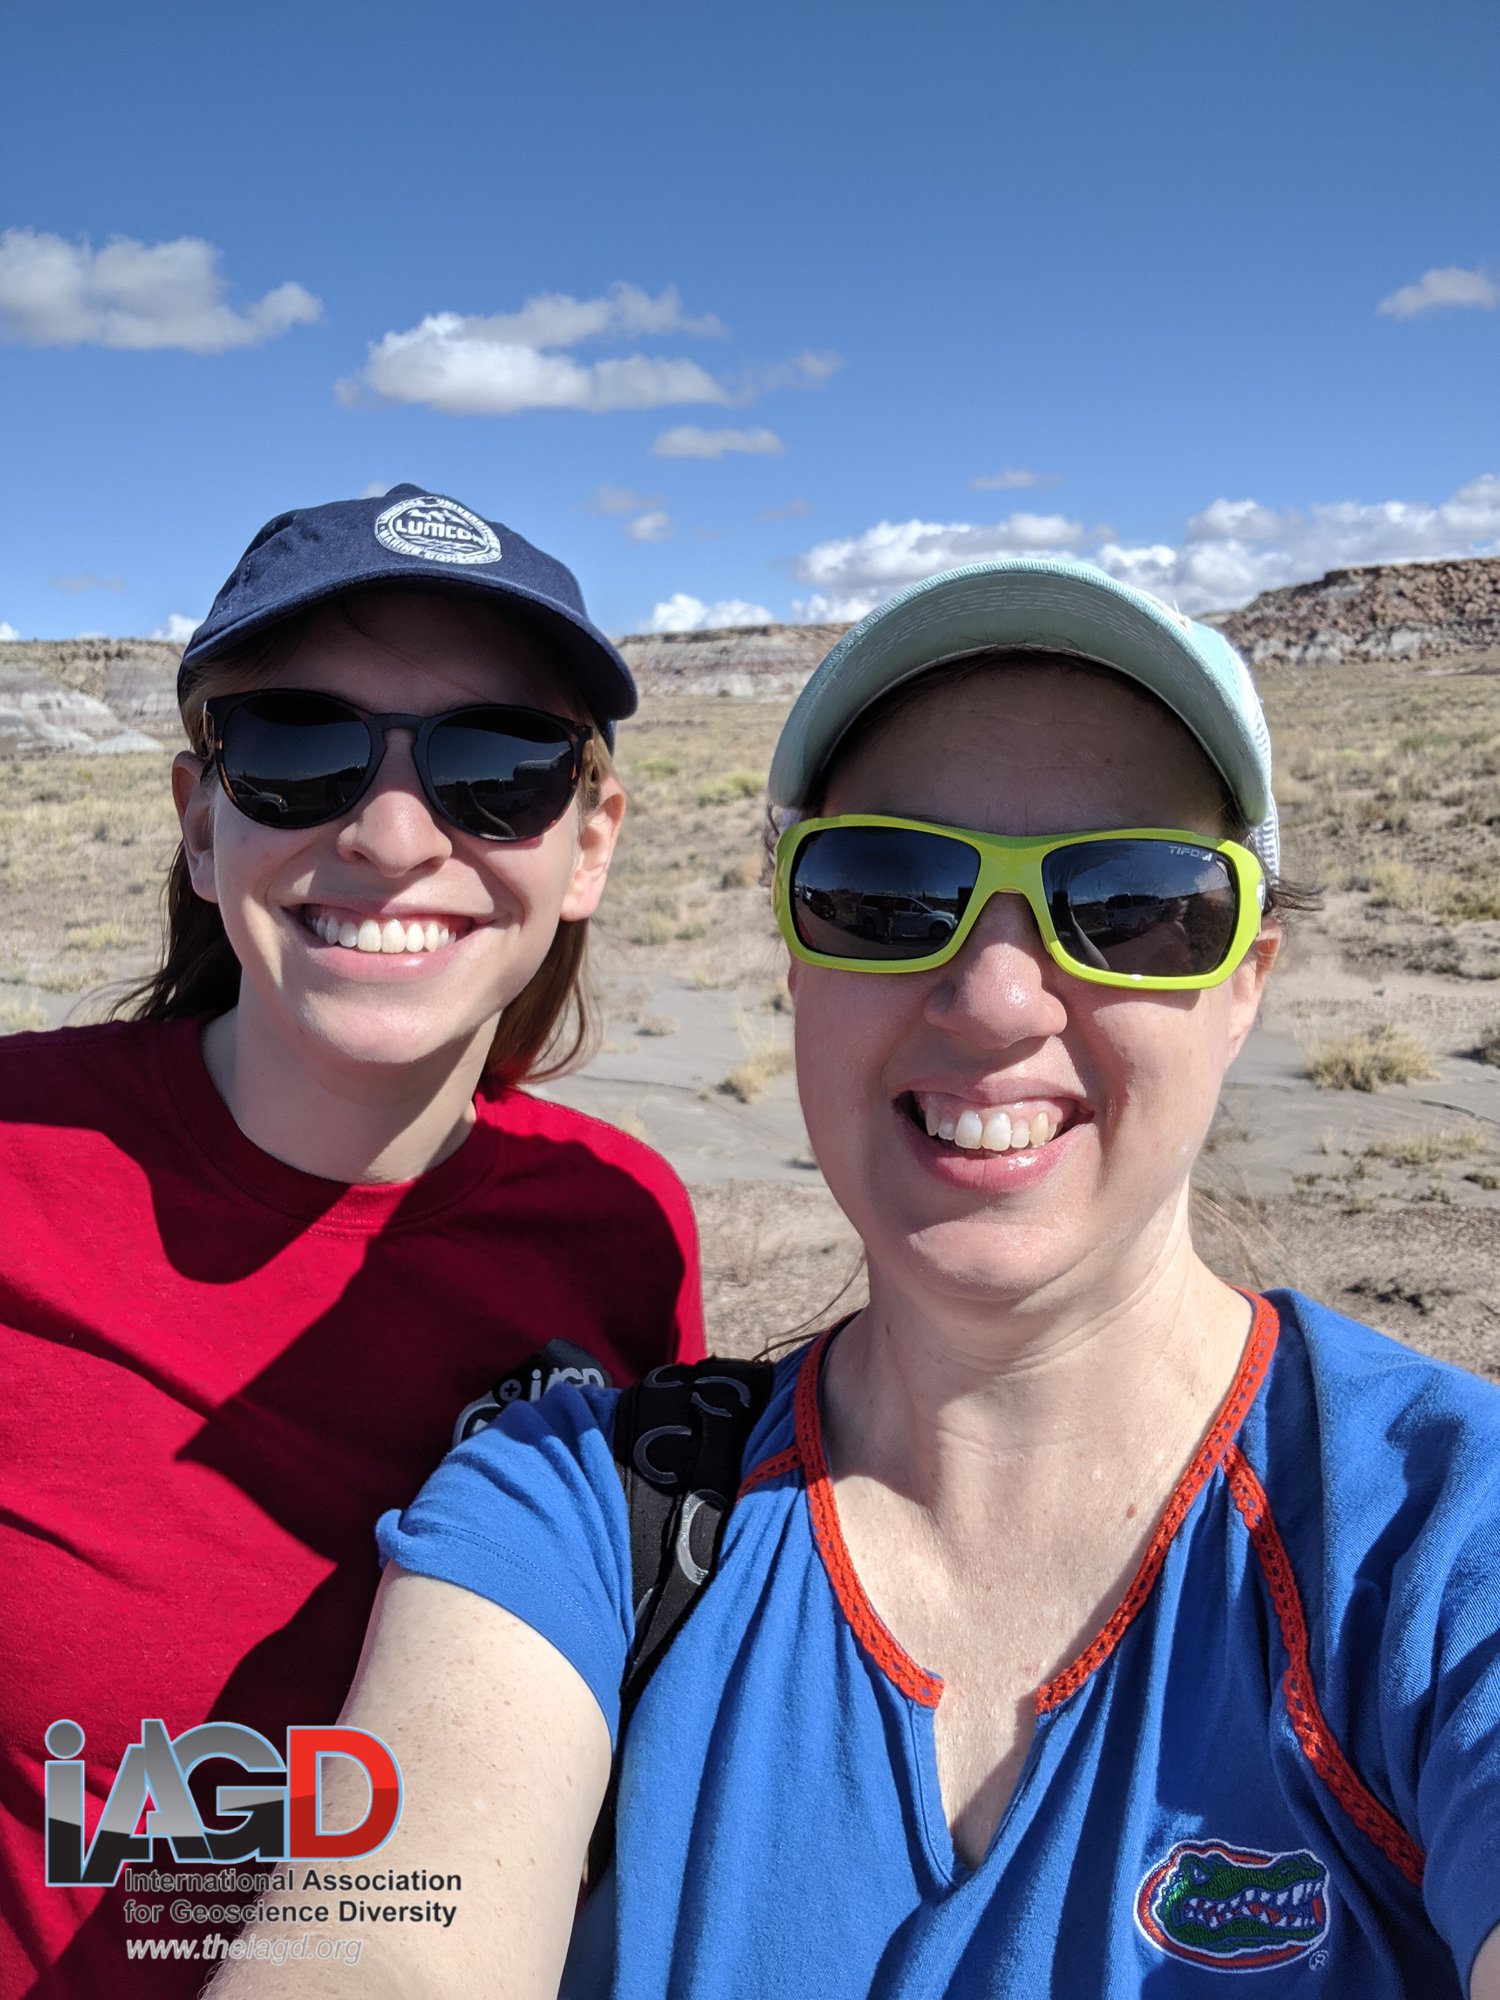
point(1389, 611)
point(119, 694)
point(1418, 611)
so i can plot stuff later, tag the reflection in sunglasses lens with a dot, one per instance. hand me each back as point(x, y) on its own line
point(491, 780)
point(880, 892)
point(294, 759)
point(1164, 909)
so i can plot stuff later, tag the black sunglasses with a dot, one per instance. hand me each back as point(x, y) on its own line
point(290, 758)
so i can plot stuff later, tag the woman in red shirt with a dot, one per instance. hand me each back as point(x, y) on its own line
point(266, 1244)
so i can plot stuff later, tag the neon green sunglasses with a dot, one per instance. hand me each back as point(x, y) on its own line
point(1150, 908)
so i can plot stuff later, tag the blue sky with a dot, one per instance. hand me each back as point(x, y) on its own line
point(748, 311)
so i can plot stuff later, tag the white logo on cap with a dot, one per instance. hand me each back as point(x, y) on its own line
point(438, 531)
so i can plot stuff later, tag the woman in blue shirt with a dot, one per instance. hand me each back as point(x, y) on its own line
point(1084, 1626)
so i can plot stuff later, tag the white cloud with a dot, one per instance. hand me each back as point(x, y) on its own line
point(452, 364)
point(133, 295)
point(621, 500)
point(653, 527)
point(375, 490)
point(87, 581)
point(495, 365)
point(792, 511)
point(178, 630)
point(808, 370)
point(553, 319)
point(853, 575)
point(7, 632)
point(682, 613)
point(692, 441)
point(1225, 555)
point(1448, 285)
point(1013, 476)
point(1234, 549)
point(499, 363)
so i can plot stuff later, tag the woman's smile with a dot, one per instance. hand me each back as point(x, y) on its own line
point(993, 1121)
point(949, 1151)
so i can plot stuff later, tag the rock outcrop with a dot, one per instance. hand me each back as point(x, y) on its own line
point(754, 662)
point(88, 694)
point(1390, 611)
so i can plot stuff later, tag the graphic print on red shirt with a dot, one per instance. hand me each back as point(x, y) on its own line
point(218, 1372)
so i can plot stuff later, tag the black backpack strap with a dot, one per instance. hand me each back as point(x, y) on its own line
point(529, 1380)
point(679, 1441)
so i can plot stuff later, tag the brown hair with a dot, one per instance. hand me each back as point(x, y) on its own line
point(552, 1022)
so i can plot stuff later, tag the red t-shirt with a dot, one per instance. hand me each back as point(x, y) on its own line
point(217, 1372)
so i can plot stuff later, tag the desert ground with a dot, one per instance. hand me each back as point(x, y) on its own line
point(1357, 1152)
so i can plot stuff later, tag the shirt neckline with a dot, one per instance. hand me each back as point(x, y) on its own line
point(869, 1628)
point(207, 1127)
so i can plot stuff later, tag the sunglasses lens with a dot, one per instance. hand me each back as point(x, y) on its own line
point(880, 892)
point(1162, 909)
point(504, 774)
point(293, 759)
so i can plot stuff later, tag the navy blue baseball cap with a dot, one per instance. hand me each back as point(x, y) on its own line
point(427, 541)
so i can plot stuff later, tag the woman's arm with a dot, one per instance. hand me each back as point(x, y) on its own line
point(504, 1758)
point(1484, 1981)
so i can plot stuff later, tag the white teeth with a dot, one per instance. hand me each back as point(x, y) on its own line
point(396, 934)
point(993, 1129)
point(969, 1131)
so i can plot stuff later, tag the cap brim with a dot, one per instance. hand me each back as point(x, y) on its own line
point(603, 678)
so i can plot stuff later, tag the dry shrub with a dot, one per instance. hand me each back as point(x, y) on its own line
point(766, 1056)
point(738, 785)
point(1429, 1149)
point(22, 1017)
point(1367, 1058)
point(1397, 885)
point(1488, 1050)
point(655, 927)
point(1470, 902)
point(743, 874)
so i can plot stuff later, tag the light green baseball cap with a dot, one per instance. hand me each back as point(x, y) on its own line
point(1040, 604)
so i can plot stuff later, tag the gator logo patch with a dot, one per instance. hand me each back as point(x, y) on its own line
point(1234, 1908)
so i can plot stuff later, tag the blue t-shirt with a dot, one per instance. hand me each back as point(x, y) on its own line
point(1281, 1754)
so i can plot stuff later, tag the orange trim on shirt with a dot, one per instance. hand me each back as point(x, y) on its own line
point(1319, 1745)
point(774, 1467)
point(1254, 1362)
point(888, 1654)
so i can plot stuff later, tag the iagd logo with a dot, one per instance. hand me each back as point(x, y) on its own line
point(279, 1812)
